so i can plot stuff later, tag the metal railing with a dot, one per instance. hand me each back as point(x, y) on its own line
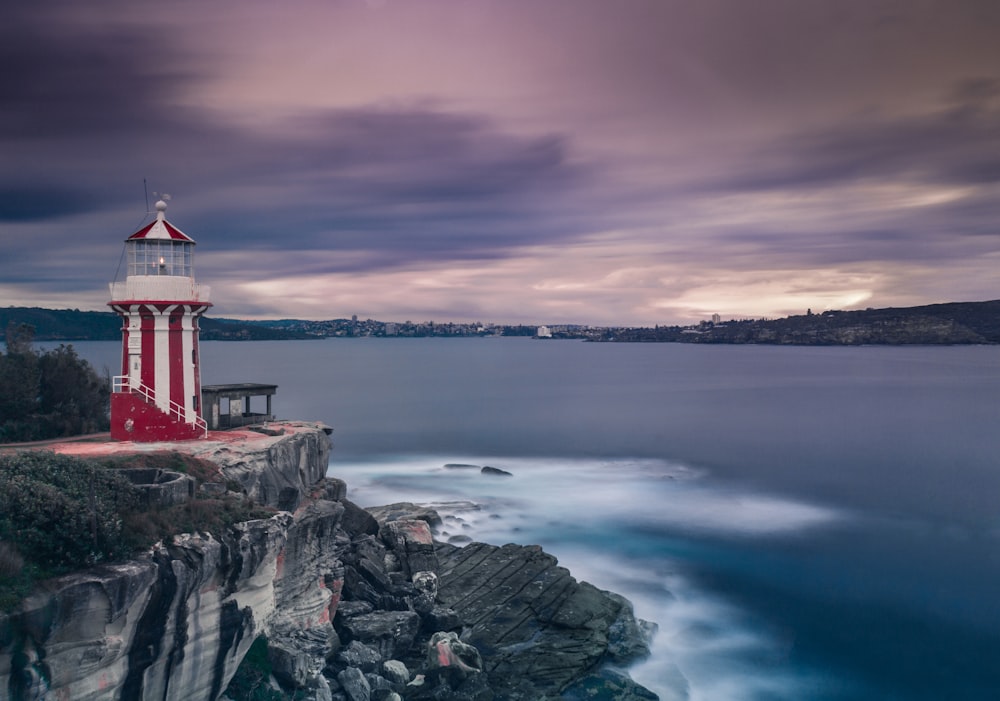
point(166, 287)
point(122, 383)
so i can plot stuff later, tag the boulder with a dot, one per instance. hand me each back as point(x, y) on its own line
point(358, 655)
point(413, 544)
point(391, 633)
point(405, 511)
point(354, 684)
point(496, 472)
point(396, 672)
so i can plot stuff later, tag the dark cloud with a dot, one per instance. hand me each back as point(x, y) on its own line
point(955, 146)
point(65, 76)
point(22, 204)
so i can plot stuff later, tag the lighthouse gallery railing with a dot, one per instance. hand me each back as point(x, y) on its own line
point(121, 383)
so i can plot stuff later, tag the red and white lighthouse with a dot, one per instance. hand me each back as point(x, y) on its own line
point(157, 397)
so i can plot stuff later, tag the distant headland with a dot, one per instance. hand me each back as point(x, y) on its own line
point(935, 324)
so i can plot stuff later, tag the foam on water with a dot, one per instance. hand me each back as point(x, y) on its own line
point(621, 525)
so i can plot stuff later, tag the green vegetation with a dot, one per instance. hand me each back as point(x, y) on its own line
point(50, 394)
point(59, 514)
point(251, 681)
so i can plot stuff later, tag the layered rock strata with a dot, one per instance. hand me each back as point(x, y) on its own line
point(353, 607)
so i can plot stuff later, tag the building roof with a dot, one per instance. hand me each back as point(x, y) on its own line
point(161, 228)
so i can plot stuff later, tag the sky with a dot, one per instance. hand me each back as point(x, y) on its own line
point(605, 162)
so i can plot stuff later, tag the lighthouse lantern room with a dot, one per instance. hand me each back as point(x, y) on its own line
point(157, 397)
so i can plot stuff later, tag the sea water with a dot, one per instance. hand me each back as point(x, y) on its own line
point(801, 523)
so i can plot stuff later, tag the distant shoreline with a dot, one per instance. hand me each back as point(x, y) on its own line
point(955, 323)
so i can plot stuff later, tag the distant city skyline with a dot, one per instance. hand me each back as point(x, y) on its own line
point(558, 162)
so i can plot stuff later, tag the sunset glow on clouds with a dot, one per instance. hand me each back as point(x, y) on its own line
point(642, 162)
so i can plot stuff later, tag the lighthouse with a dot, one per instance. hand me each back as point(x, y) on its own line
point(157, 396)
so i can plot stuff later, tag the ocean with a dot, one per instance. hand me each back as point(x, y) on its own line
point(801, 523)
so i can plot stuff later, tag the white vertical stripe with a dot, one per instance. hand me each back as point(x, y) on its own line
point(161, 358)
point(187, 345)
point(134, 346)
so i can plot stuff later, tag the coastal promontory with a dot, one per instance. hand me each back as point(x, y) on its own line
point(314, 599)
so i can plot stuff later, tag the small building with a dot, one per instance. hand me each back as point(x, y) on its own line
point(157, 395)
point(232, 406)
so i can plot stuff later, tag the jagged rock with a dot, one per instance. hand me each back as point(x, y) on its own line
point(391, 633)
point(496, 472)
point(425, 586)
point(334, 489)
point(445, 649)
point(396, 672)
point(527, 616)
point(405, 511)
point(346, 609)
point(441, 618)
point(296, 459)
point(608, 685)
point(628, 637)
point(413, 544)
point(357, 654)
point(354, 684)
point(175, 623)
point(357, 520)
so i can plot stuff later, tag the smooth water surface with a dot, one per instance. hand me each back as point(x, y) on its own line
point(803, 523)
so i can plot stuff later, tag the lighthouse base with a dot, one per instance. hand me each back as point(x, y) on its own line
point(135, 419)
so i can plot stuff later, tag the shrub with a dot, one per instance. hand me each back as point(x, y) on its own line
point(63, 512)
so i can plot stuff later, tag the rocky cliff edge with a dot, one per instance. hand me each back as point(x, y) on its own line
point(354, 605)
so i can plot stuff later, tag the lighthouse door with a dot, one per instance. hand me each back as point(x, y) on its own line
point(134, 354)
point(134, 370)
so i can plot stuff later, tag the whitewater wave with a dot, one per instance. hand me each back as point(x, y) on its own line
point(622, 525)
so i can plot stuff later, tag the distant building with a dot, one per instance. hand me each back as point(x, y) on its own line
point(391, 329)
point(544, 332)
point(716, 319)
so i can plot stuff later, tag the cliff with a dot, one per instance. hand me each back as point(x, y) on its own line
point(348, 603)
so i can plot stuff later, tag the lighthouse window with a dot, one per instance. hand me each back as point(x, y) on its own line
point(148, 257)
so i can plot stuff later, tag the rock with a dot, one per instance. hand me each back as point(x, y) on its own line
point(425, 585)
point(413, 544)
point(297, 458)
point(441, 618)
point(396, 672)
point(527, 616)
point(628, 638)
point(358, 521)
point(361, 656)
point(378, 685)
point(608, 685)
point(391, 633)
point(460, 466)
point(334, 489)
point(346, 609)
point(386, 695)
point(354, 684)
point(445, 649)
point(405, 510)
point(496, 472)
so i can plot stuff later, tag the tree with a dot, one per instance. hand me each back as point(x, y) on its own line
point(73, 399)
point(48, 395)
